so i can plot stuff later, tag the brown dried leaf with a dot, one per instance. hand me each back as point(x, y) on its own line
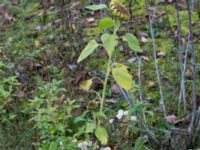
point(115, 89)
point(151, 84)
point(4, 11)
point(161, 54)
point(171, 118)
point(145, 58)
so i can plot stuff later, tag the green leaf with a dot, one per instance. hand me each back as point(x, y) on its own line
point(106, 23)
point(96, 7)
point(117, 26)
point(101, 135)
point(132, 41)
point(109, 42)
point(91, 31)
point(140, 143)
point(90, 127)
point(53, 146)
point(60, 127)
point(122, 76)
point(101, 115)
point(89, 49)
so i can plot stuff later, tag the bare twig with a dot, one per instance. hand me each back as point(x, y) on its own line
point(139, 60)
point(194, 101)
point(183, 80)
point(180, 47)
point(162, 104)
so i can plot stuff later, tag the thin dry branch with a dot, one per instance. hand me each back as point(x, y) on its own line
point(194, 99)
point(162, 104)
point(180, 48)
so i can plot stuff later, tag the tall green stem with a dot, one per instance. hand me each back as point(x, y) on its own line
point(108, 69)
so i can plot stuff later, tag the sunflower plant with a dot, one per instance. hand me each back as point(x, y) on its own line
point(109, 41)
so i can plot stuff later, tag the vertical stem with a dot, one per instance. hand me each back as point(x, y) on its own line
point(140, 87)
point(182, 87)
point(194, 94)
point(139, 77)
point(162, 104)
point(157, 70)
point(130, 7)
point(108, 69)
point(139, 60)
point(183, 81)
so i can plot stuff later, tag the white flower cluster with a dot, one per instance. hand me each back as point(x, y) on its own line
point(121, 113)
point(133, 118)
point(105, 148)
point(83, 145)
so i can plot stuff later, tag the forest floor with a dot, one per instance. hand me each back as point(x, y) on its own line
point(136, 85)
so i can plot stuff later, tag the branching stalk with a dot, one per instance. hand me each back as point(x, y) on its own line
point(183, 82)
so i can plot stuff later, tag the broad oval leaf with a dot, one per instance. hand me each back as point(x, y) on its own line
point(132, 41)
point(96, 7)
point(109, 42)
point(106, 23)
point(90, 127)
point(53, 146)
point(85, 85)
point(89, 49)
point(101, 135)
point(122, 77)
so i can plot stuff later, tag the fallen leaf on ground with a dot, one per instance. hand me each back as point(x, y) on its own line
point(171, 118)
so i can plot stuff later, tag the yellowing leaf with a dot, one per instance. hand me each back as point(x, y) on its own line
point(122, 66)
point(85, 85)
point(37, 42)
point(119, 10)
point(101, 135)
point(122, 77)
